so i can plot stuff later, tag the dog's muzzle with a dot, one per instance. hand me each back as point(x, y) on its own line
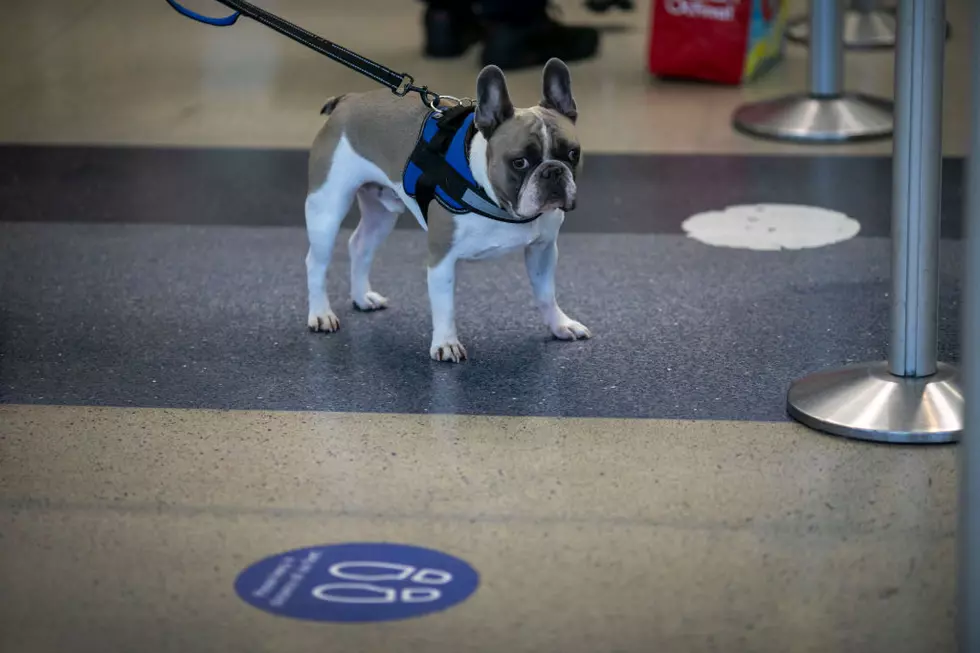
point(557, 187)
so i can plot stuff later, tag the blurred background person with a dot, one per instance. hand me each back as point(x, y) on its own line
point(515, 33)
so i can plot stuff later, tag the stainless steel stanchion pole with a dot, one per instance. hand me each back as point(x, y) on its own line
point(826, 114)
point(969, 528)
point(867, 25)
point(910, 398)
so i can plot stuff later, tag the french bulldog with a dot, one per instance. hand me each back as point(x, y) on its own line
point(525, 160)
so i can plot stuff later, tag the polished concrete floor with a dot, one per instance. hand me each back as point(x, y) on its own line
point(125, 528)
point(166, 420)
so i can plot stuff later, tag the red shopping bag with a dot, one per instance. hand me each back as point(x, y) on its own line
point(725, 41)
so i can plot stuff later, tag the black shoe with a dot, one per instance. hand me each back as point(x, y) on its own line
point(511, 46)
point(450, 33)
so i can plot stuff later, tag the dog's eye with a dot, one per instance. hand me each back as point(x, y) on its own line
point(519, 164)
point(573, 155)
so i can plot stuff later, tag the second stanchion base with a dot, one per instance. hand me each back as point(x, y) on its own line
point(811, 119)
point(867, 402)
point(862, 30)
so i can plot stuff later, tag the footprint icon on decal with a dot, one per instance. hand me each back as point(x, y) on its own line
point(367, 594)
point(357, 582)
point(432, 577)
point(357, 593)
point(375, 571)
point(367, 573)
point(371, 571)
point(420, 594)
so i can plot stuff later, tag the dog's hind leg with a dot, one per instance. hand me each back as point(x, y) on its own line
point(326, 208)
point(380, 208)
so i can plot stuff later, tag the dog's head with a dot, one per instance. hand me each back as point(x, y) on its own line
point(533, 155)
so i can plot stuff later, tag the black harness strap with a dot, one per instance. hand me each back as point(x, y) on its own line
point(439, 174)
point(430, 157)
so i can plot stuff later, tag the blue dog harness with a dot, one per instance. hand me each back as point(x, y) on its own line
point(439, 168)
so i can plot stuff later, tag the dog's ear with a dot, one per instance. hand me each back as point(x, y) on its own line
point(493, 105)
point(558, 89)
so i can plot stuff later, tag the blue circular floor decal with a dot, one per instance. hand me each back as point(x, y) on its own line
point(357, 582)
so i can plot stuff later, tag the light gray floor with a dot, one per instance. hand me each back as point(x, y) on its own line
point(114, 72)
point(127, 532)
point(124, 522)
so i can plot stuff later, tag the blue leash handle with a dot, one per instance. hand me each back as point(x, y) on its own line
point(201, 18)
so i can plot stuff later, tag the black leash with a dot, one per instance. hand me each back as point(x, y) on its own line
point(401, 84)
point(429, 156)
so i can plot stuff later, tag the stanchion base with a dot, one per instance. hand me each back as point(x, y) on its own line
point(866, 402)
point(808, 119)
point(862, 30)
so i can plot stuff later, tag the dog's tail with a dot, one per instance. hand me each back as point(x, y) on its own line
point(331, 104)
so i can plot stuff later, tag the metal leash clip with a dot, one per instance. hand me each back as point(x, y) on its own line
point(455, 102)
point(431, 99)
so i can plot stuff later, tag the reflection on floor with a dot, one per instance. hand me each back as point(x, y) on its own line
point(166, 420)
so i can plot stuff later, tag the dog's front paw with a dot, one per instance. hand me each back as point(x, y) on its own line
point(323, 323)
point(571, 330)
point(371, 301)
point(448, 352)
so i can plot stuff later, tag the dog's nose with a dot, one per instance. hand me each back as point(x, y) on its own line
point(551, 172)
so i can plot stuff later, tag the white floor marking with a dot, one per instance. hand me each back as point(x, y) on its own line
point(771, 227)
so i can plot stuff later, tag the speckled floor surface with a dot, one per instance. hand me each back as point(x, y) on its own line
point(166, 420)
point(639, 491)
point(214, 317)
point(124, 529)
point(637, 193)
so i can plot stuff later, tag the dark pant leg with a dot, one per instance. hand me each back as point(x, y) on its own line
point(513, 10)
point(496, 10)
point(455, 5)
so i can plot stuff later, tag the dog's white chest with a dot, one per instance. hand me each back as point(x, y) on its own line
point(479, 238)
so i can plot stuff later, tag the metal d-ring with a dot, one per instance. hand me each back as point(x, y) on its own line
point(437, 100)
point(456, 102)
